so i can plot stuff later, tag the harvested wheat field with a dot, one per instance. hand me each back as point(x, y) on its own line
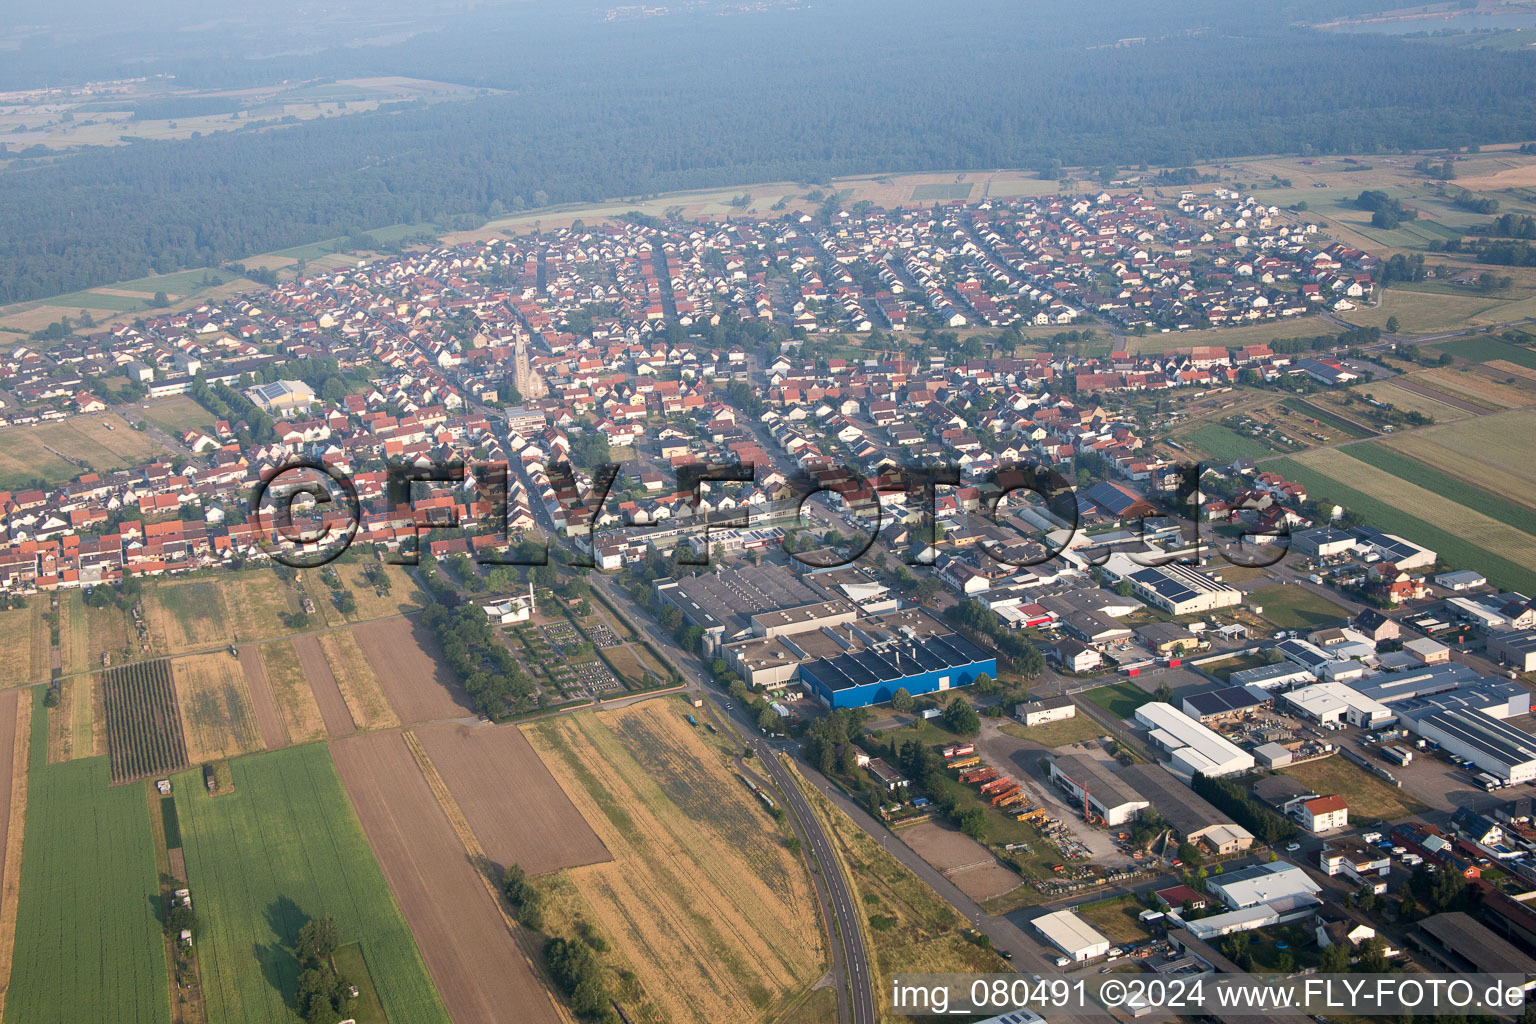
point(216, 715)
point(108, 630)
point(364, 698)
point(328, 699)
point(24, 638)
point(402, 596)
point(478, 967)
point(15, 719)
point(1510, 369)
point(295, 700)
point(1493, 450)
point(1437, 510)
point(962, 860)
point(268, 722)
point(702, 900)
point(1487, 391)
point(194, 614)
point(1420, 401)
point(406, 660)
point(514, 806)
point(71, 725)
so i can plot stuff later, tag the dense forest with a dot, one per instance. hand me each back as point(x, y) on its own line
point(589, 115)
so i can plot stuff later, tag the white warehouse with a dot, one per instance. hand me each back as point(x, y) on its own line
point(1071, 934)
point(1191, 746)
point(1496, 748)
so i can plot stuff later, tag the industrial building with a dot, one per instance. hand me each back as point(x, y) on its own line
point(1334, 702)
point(1516, 648)
point(1179, 590)
point(282, 397)
point(1498, 749)
point(1192, 818)
point(1092, 787)
point(1227, 702)
point(1463, 945)
point(1323, 542)
point(1071, 934)
point(1041, 712)
point(1191, 746)
point(1271, 677)
point(1276, 884)
point(1391, 548)
point(724, 604)
point(873, 674)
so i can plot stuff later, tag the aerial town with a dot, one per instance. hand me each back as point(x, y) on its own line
point(1125, 704)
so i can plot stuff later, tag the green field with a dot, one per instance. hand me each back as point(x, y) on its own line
point(1119, 699)
point(1484, 349)
point(941, 191)
point(1521, 517)
point(1292, 607)
point(1463, 553)
point(88, 945)
point(286, 847)
point(1226, 444)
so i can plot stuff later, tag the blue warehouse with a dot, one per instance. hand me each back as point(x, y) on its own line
point(857, 679)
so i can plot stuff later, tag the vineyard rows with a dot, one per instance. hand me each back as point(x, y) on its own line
point(143, 723)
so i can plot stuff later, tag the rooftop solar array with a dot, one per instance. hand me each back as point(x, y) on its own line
point(894, 661)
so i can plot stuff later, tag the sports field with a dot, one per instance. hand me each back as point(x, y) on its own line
point(283, 848)
point(1225, 444)
point(177, 415)
point(88, 945)
point(55, 452)
point(702, 900)
point(1384, 501)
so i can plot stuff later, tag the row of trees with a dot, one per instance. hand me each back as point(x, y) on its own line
point(1267, 826)
point(496, 683)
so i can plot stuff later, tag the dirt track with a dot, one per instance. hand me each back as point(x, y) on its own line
point(481, 973)
point(961, 859)
point(514, 805)
point(268, 721)
point(410, 669)
point(333, 707)
point(8, 699)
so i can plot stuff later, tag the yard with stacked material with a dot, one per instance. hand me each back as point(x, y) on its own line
point(405, 659)
point(55, 452)
point(467, 943)
point(88, 945)
point(190, 615)
point(283, 848)
point(144, 722)
point(1465, 538)
point(216, 713)
point(702, 900)
point(529, 822)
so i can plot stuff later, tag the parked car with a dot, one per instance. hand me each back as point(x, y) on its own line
point(1292, 847)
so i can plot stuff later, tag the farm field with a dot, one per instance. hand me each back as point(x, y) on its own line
point(1056, 734)
point(15, 719)
point(283, 848)
point(177, 415)
point(962, 860)
point(1331, 417)
point(216, 713)
point(300, 714)
point(88, 946)
point(44, 451)
point(1512, 513)
point(1422, 312)
point(1294, 607)
point(268, 722)
point(1489, 451)
point(1230, 337)
point(418, 683)
point(1369, 798)
point(230, 607)
point(1412, 401)
point(71, 725)
point(329, 700)
point(1490, 391)
point(108, 630)
point(532, 823)
point(143, 722)
point(456, 923)
point(403, 594)
point(1483, 349)
point(1443, 512)
point(702, 900)
point(24, 638)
